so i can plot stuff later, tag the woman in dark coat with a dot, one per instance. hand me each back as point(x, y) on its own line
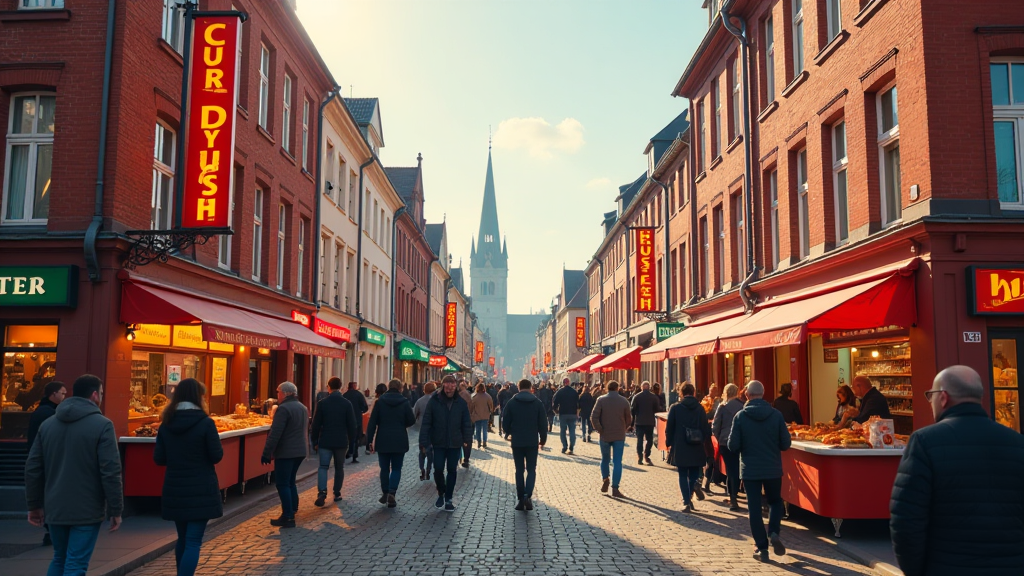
point(690, 456)
point(586, 405)
point(188, 445)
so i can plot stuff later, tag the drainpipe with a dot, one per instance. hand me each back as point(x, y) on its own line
point(93, 231)
point(747, 295)
point(317, 296)
point(394, 280)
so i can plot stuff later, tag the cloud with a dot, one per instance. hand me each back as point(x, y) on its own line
point(538, 137)
point(598, 183)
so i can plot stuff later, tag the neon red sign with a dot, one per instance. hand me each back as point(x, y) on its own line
point(304, 319)
point(581, 331)
point(451, 326)
point(438, 361)
point(332, 331)
point(646, 288)
point(479, 355)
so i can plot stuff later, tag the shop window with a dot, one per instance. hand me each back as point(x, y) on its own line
point(1008, 114)
point(29, 161)
point(30, 362)
point(1005, 386)
point(889, 369)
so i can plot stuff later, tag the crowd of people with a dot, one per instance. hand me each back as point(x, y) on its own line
point(73, 473)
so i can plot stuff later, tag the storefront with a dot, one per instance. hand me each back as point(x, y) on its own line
point(374, 361)
point(624, 365)
point(413, 362)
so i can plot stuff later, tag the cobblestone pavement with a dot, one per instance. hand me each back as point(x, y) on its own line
point(574, 530)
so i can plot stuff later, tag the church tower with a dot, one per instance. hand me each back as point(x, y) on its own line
point(489, 271)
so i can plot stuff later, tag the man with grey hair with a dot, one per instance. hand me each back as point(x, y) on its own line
point(958, 501)
point(721, 427)
point(286, 444)
point(759, 435)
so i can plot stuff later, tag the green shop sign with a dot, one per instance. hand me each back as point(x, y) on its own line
point(669, 329)
point(372, 336)
point(451, 367)
point(411, 351)
point(39, 286)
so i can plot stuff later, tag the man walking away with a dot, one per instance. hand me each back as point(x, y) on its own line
point(360, 407)
point(546, 396)
point(334, 424)
point(567, 403)
point(644, 406)
point(721, 427)
point(586, 405)
point(492, 391)
point(390, 418)
point(611, 417)
point(480, 408)
point(687, 432)
point(426, 457)
point(53, 394)
point(525, 419)
point(73, 477)
point(759, 436)
point(286, 444)
point(503, 397)
point(448, 429)
point(958, 502)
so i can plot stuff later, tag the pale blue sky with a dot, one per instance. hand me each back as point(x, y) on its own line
point(581, 86)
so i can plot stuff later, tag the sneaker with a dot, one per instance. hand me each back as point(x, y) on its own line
point(391, 501)
point(777, 546)
point(439, 503)
point(761, 555)
point(617, 494)
point(604, 485)
point(337, 496)
point(521, 505)
point(448, 506)
point(698, 492)
point(529, 503)
point(383, 498)
point(321, 499)
point(283, 522)
point(648, 460)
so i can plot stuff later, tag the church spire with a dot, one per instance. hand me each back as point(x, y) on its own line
point(488, 240)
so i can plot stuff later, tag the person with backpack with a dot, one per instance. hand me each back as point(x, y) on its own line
point(386, 435)
point(687, 432)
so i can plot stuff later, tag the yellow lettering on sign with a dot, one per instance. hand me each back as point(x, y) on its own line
point(206, 209)
point(206, 119)
point(208, 36)
point(1010, 289)
point(213, 57)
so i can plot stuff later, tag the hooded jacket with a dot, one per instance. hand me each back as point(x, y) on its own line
point(359, 406)
point(545, 395)
point(73, 470)
point(503, 397)
point(643, 407)
point(525, 418)
point(759, 435)
point(566, 401)
point(611, 417)
point(586, 404)
point(334, 422)
point(287, 437)
point(687, 414)
point(40, 415)
point(188, 445)
point(480, 406)
point(722, 425)
point(389, 419)
point(446, 422)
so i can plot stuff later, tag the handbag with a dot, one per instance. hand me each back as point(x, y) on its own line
point(694, 436)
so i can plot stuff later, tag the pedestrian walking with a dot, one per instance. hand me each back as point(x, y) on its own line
point(721, 427)
point(480, 408)
point(492, 391)
point(360, 407)
point(759, 436)
point(546, 396)
point(188, 445)
point(643, 407)
point(525, 419)
point(503, 397)
point(334, 425)
point(586, 406)
point(426, 457)
point(286, 444)
point(53, 393)
point(687, 433)
point(567, 403)
point(386, 435)
point(73, 477)
point(465, 395)
point(448, 429)
point(611, 418)
point(958, 502)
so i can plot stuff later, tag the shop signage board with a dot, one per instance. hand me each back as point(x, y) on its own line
point(438, 361)
point(866, 335)
point(411, 351)
point(581, 331)
point(478, 356)
point(304, 319)
point(219, 377)
point(995, 291)
point(153, 334)
point(188, 337)
point(372, 336)
point(451, 339)
point(39, 286)
point(667, 330)
point(547, 358)
point(331, 331)
point(210, 125)
point(831, 355)
point(491, 360)
point(646, 284)
point(214, 333)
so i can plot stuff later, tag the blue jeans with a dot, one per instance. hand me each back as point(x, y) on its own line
point(72, 548)
point(326, 454)
point(585, 425)
point(481, 430)
point(612, 451)
point(285, 470)
point(446, 458)
point(773, 493)
point(567, 421)
point(186, 549)
point(688, 478)
point(390, 470)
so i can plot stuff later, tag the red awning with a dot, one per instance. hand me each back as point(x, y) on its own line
point(585, 364)
point(626, 359)
point(695, 340)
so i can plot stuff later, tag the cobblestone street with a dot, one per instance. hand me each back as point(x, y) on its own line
point(574, 529)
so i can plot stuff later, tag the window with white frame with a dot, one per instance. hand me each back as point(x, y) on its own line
point(716, 126)
point(257, 235)
point(803, 204)
point(701, 142)
point(736, 100)
point(769, 58)
point(172, 29)
point(29, 159)
point(224, 241)
point(889, 155)
point(739, 238)
point(302, 258)
point(773, 202)
point(324, 240)
point(833, 14)
point(342, 181)
point(162, 197)
point(1008, 114)
point(264, 85)
point(353, 194)
point(286, 115)
point(34, 4)
point(339, 250)
point(281, 224)
point(305, 135)
point(705, 253)
point(798, 37)
point(839, 182)
point(720, 248)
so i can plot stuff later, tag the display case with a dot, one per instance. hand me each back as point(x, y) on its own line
point(889, 369)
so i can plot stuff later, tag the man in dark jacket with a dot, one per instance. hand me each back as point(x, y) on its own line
point(447, 428)
point(567, 403)
point(386, 435)
point(688, 433)
point(525, 419)
point(643, 407)
point(360, 407)
point(73, 477)
point(492, 391)
point(759, 435)
point(721, 427)
point(334, 423)
point(958, 502)
point(53, 393)
point(286, 444)
point(586, 405)
point(546, 395)
point(872, 402)
point(503, 397)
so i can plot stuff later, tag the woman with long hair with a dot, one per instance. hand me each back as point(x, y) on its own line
point(188, 445)
point(846, 405)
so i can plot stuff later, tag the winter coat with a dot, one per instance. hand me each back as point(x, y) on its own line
point(566, 402)
point(493, 393)
point(446, 422)
point(40, 415)
point(390, 418)
point(188, 445)
point(643, 407)
point(586, 404)
point(790, 410)
point(287, 437)
point(334, 422)
point(504, 396)
point(958, 501)
point(466, 396)
point(481, 406)
point(611, 417)
point(526, 420)
point(759, 435)
point(420, 407)
point(546, 395)
point(359, 406)
point(687, 414)
point(73, 469)
point(872, 404)
point(722, 425)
